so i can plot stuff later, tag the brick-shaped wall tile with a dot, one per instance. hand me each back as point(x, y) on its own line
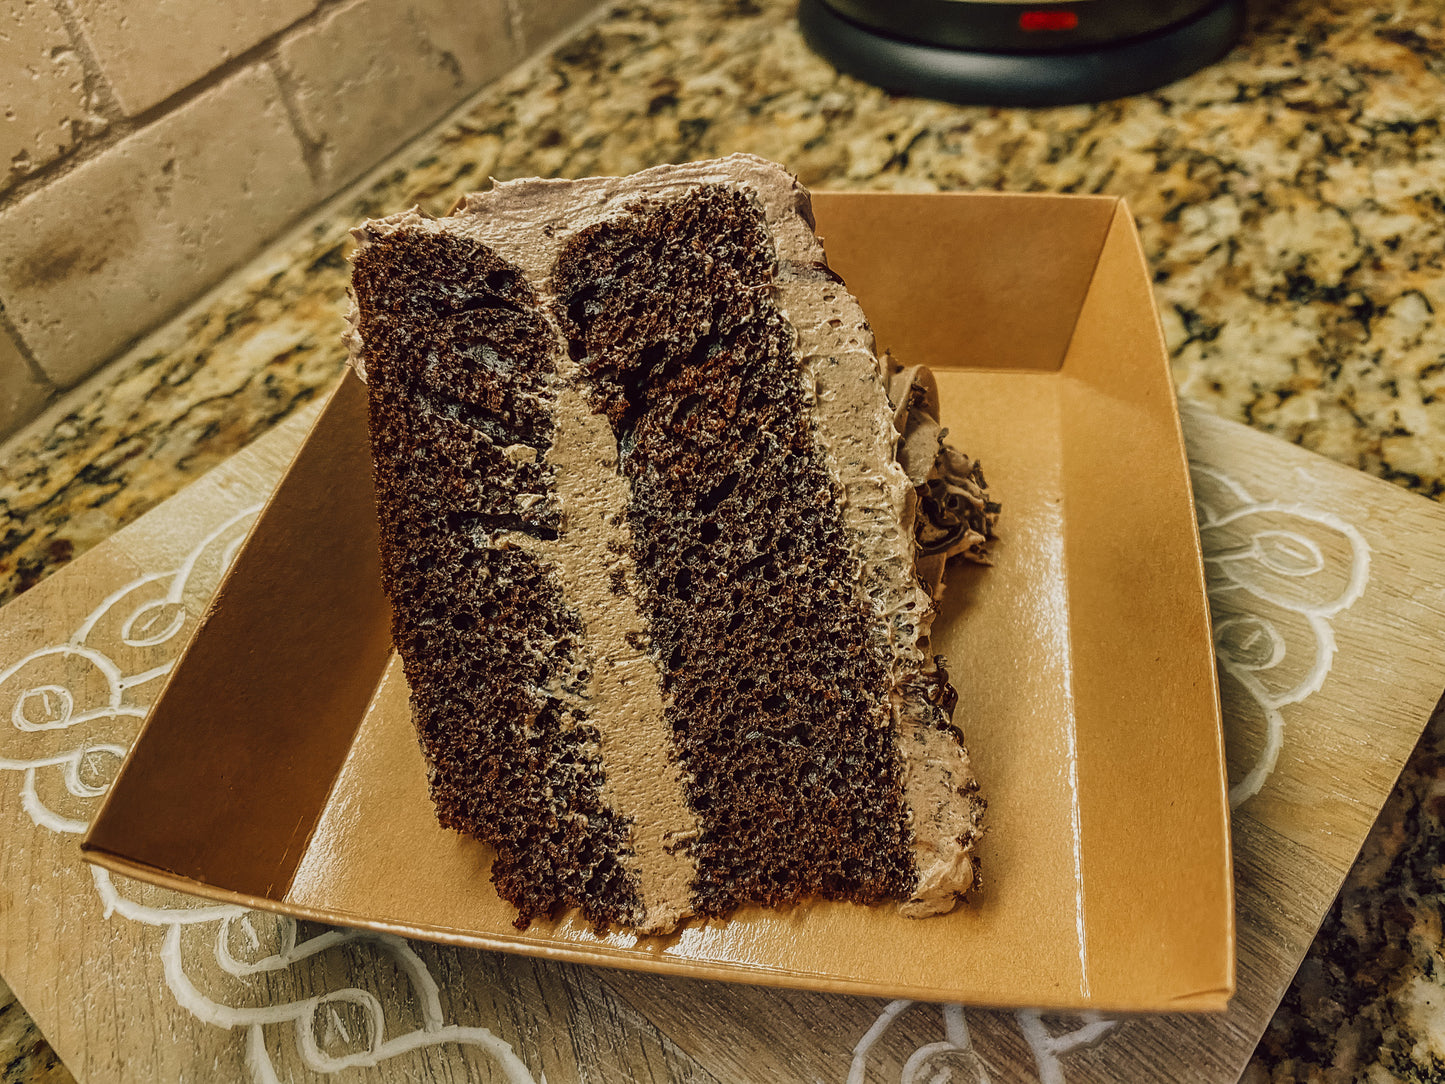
point(542, 20)
point(114, 246)
point(21, 395)
point(149, 49)
point(43, 106)
point(472, 32)
point(370, 75)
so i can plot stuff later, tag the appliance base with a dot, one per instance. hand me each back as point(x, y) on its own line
point(974, 78)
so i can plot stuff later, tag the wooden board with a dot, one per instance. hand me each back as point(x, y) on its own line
point(1328, 590)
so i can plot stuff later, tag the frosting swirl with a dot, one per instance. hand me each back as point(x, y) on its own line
point(955, 514)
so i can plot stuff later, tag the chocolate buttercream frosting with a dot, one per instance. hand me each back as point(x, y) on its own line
point(956, 516)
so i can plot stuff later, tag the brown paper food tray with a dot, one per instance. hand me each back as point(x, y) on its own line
point(279, 770)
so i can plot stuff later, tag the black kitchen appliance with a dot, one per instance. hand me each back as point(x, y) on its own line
point(1054, 52)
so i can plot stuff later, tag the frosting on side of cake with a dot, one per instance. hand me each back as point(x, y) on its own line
point(953, 517)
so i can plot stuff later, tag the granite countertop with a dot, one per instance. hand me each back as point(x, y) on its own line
point(1289, 203)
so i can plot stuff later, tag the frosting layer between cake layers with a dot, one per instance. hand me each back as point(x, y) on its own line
point(736, 659)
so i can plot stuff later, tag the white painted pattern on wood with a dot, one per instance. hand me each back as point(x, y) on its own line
point(1255, 547)
point(153, 620)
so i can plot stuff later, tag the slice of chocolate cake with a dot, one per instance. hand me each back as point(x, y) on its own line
point(652, 544)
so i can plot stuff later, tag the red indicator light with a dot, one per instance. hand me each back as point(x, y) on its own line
point(1048, 20)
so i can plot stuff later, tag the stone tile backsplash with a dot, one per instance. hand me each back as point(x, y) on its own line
point(373, 72)
point(151, 50)
point(107, 250)
point(148, 147)
point(46, 107)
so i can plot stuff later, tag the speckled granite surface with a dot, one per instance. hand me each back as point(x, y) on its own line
point(1290, 204)
point(25, 1057)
